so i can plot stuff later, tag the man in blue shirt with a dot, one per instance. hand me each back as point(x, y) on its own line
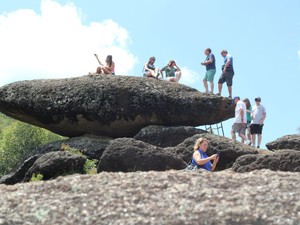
point(210, 64)
point(227, 73)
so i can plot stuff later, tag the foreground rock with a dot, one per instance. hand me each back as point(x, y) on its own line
point(128, 155)
point(285, 142)
point(114, 106)
point(284, 160)
point(228, 149)
point(172, 197)
point(166, 136)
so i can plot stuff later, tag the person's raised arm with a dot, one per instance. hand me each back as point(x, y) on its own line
point(178, 69)
point(200, 161)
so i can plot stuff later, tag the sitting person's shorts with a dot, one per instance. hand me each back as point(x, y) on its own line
point(227, 77)
point(256, 128)
point(171, 77)
point(239, 128)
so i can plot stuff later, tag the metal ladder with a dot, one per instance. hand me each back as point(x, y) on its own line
point(215, 127)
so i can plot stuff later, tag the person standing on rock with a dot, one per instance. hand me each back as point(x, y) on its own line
point(200, 159)
point(173, 72)
point(249, 110)
point(210, 64)
point(258, 117)
point(109, 68)
point(239, 125)
point(149, 69)
point(227, 73)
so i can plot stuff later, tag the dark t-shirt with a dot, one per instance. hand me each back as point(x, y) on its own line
point(211, 66)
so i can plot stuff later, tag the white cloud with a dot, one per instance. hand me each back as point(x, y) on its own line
point(56, 44)
point(190, 77)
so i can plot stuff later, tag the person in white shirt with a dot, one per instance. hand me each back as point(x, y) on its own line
point(240, 120)
point(258, 116)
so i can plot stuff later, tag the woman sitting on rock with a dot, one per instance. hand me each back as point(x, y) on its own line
point(149, 69)
point(173, 72)
point(200, 159)
point(109, 68)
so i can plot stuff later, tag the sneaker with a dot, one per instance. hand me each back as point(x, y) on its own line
point(229, 96)
point(218, 94)
point(257, 146)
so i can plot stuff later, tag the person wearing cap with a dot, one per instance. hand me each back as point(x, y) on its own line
point(210, 64)
point(258, 117)
point(149, 69)
point(240, 120)
point(173, 72)
point(227, 73)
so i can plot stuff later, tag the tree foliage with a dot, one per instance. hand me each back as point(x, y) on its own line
point(19, 140)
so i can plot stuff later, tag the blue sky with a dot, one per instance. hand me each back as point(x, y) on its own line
point(54, 39)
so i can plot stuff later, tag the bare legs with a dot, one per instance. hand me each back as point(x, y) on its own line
point(229, 89)
point(206, 86)
point(176, 78)
point(258, 139)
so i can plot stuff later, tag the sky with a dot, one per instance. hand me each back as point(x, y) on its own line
point(57, 39)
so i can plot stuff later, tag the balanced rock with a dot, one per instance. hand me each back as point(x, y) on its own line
point(129, 155)
point(228, 149)
point(285, 142)
point(285, 160)
point(166, 136)
point(114, 106)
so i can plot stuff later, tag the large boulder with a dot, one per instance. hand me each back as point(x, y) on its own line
point(54, 164)
point(114, 106)
point(166, 136)
point(285, 142)
point(89, 145)
point(284, 160)
point(228, 149)
point(128, 155)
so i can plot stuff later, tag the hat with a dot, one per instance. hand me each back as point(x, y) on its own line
point(258, 99)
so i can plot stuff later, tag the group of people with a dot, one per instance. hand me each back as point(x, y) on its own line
point(172, 71)
point(226, 75)
point(250, 119)
point(246, 118)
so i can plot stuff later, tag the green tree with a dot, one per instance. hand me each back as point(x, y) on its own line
point(18, 140)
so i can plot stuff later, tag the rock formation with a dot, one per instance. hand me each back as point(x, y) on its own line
point(115, 106)
point(283, 160)
point(129, 155)
point(166, 136)
point(285, 142)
